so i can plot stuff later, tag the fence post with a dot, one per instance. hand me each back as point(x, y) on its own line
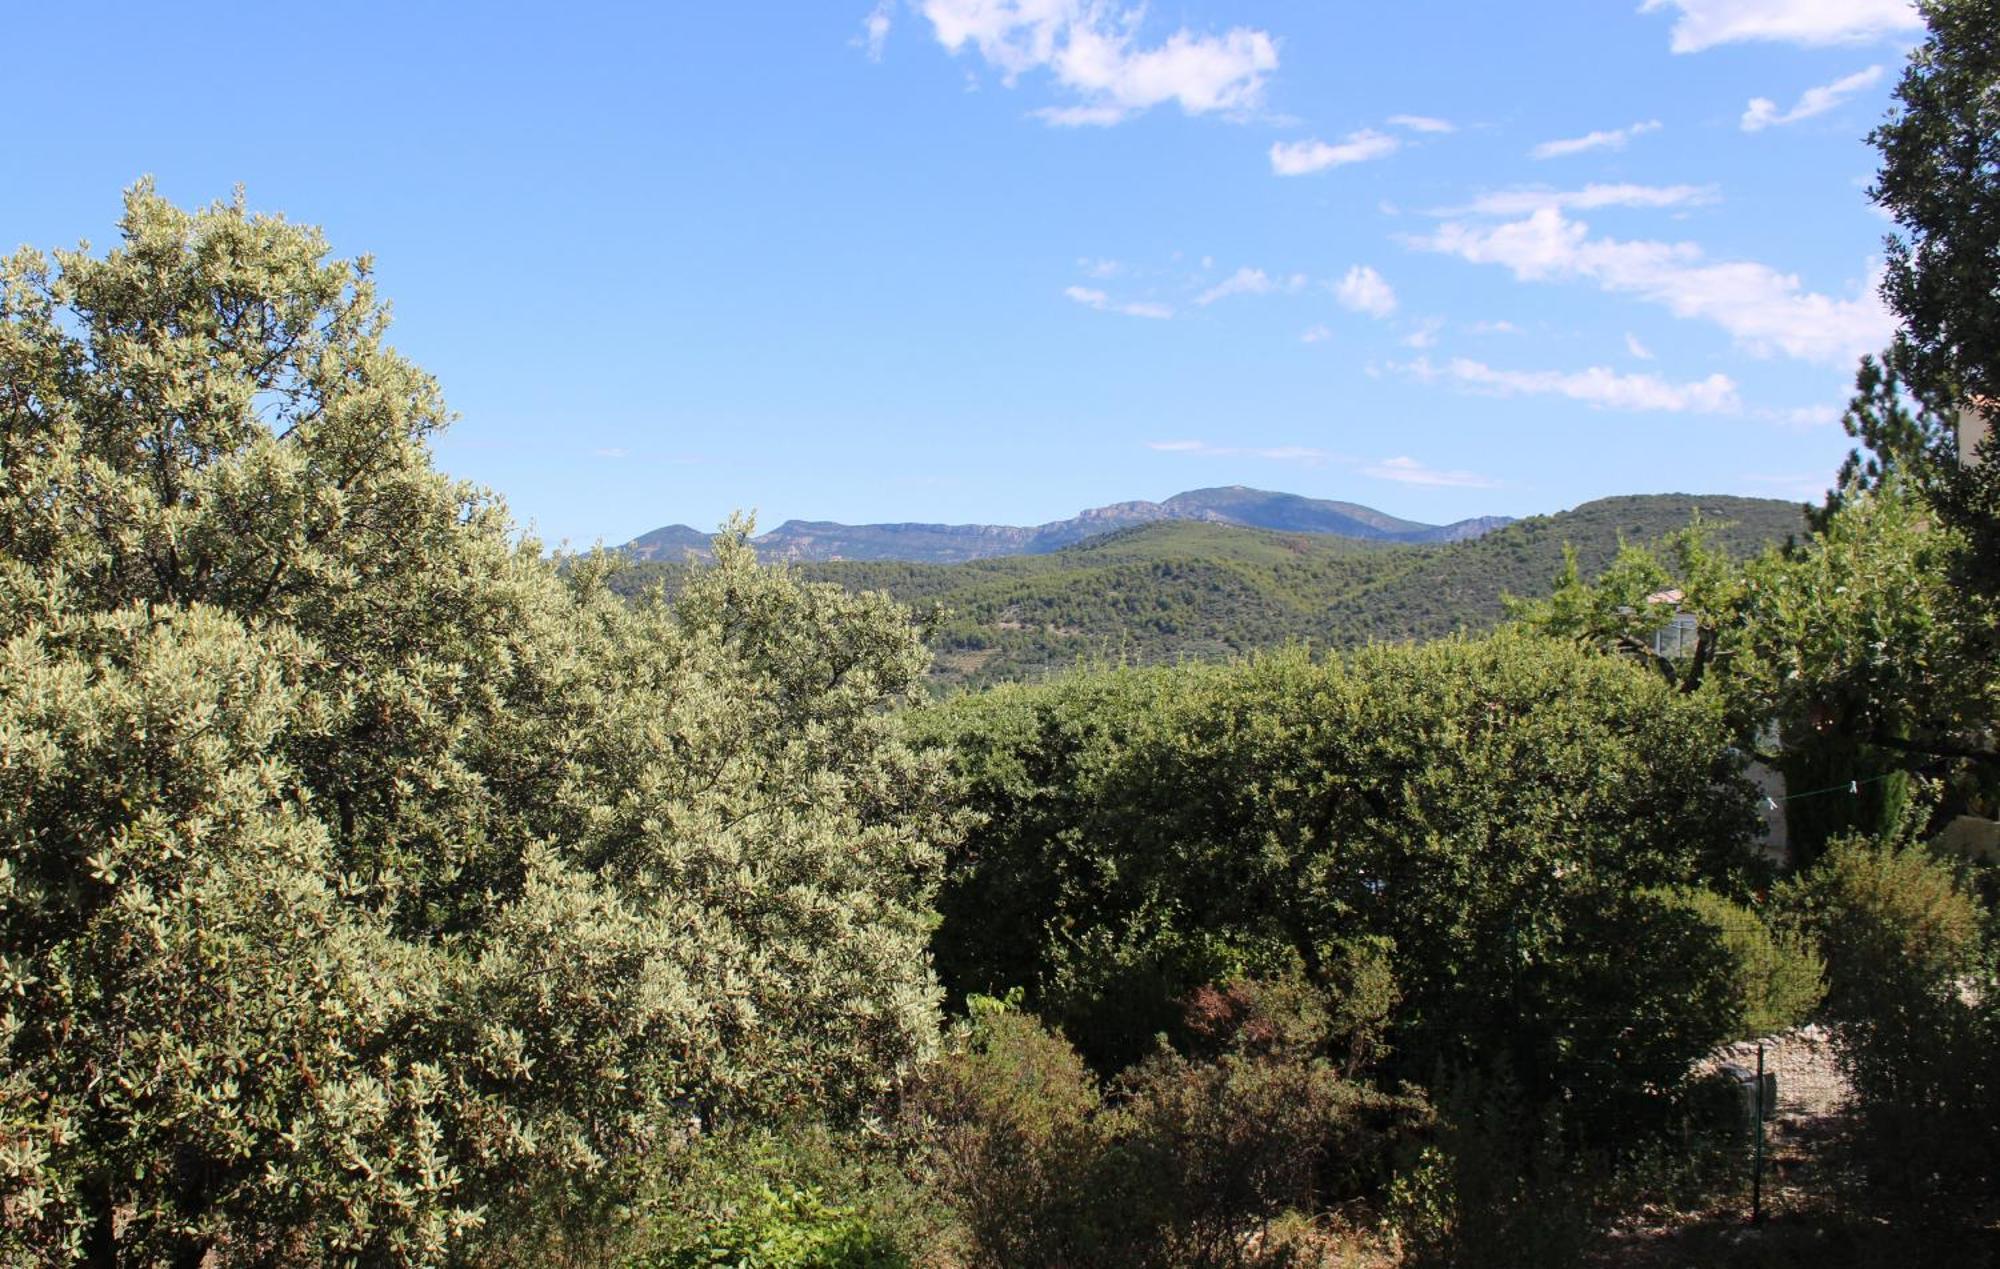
point(1757, 1175)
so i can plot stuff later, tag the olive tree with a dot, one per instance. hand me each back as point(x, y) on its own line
point(372, 888)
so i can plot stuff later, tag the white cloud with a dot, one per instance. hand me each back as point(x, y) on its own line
point(1637, 349)
point(1316, 335)
point(1297, 158)
point(1423, 123)
point(1707, 23)
point(1608, 139)
point(1519, 202)
point(875, 30)
point(1408, 471)
point(1090, 297)
point(1494, 328)
point(1426, 333)
point(1364, 291)
point(1098, 268)
point(1305, 454)
point(1763, 309)
point(1100, 116)
point(1248, 281)
point(1093, 51)
point(1596, 386)
point(1763, 112)
point(1245, 281)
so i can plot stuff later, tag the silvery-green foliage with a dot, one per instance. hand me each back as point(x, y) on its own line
point(367, 883)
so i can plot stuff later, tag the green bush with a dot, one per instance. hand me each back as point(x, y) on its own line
point(790, 1229)
point(795, 1192)
point(1222, 1149)
point(370, 889)
point(1888, 918)
point(1488, 811)
point(1912, 994)
point(1008, 1123)
point(1498, 1186)
point(1780, 978)
point(1188, 1160)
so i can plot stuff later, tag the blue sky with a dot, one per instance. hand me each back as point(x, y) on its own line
point(1000, 260)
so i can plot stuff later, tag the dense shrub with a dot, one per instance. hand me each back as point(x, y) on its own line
point(1224, 1148)
point(798, 1192)
point(1495, 812)
point(1187, 1161)
point(1912, 993)
point(1497, 1186)
point(368, 889)
point(785, 1229)
point(1009, 1121)
point(1887, 916)
point(1780, 978)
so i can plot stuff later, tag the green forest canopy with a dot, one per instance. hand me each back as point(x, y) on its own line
point(1181, 589)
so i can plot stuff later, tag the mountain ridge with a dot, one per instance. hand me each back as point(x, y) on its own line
point(817, 541)
point(1168, 590)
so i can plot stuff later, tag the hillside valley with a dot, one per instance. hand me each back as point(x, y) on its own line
point(1185, 588)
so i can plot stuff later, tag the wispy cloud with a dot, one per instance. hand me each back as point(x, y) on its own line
point(1093, 51)
point(1316, 334)
point(875, 29)
point(1519, 202)
point(1098, 268)
point(1763, 112)
point(1090, 297)
point(1425, 334)
point(1423, 123)
point(1596, 386)
point(1405, 470)
point(1607, 139)
point(1363, 290)
point(1706, 23)
point(1248, 281)
point(1307, 455)
point(1401, 469)
point(1637, 349)
point(1763, 309)
point(1298, 158)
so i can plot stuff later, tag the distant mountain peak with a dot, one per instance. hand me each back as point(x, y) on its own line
point(816, 540)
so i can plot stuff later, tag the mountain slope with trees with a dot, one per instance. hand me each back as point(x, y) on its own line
point(824, 540)
point(1188, 589)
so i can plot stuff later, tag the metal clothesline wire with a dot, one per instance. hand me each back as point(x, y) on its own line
point(1852, 786)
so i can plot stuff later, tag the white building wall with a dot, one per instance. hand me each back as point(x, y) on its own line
point(1774, 842)
point(1972, 428)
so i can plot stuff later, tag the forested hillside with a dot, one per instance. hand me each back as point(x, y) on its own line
point(819, 541)
point(1185, 589)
